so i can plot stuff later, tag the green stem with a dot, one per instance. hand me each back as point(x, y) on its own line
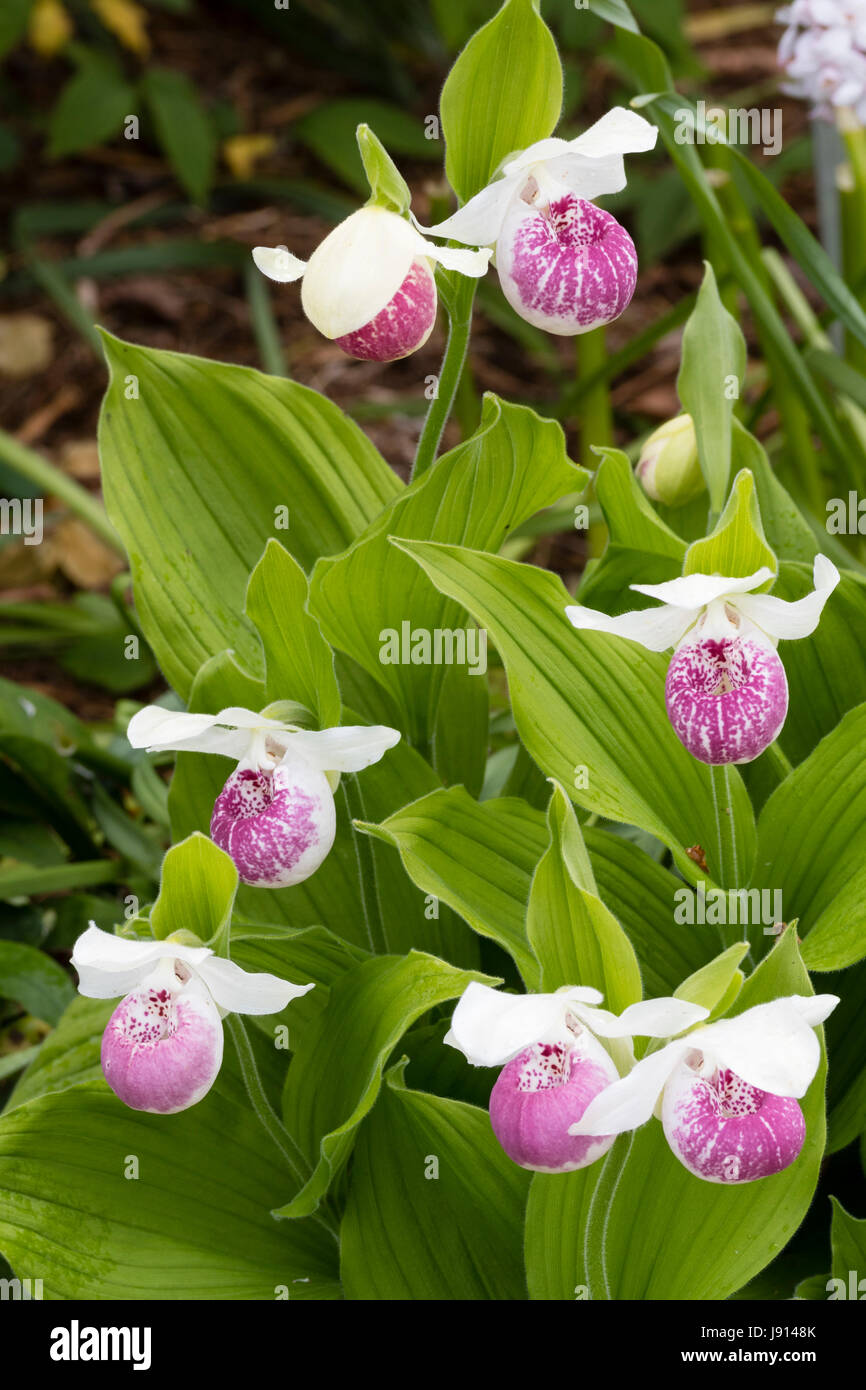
point(596, 414)
point(32, 466)
point(267, 1116)
point(852, 206)
point(729, 868)
point(458, 306)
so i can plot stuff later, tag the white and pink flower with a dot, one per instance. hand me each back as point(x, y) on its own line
point(275, 817)
point(564, 264)
point(823, 55)
point(552, 1063)
point(729, 1091)
point(163, 1046)
point(370, 286)
point(726, 691)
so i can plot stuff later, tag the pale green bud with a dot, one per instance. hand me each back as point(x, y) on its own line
point(668, 469)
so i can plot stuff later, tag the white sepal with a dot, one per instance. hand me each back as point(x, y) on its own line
point(771, 1046)
point(278, 263)
point(236, 991)
point(654, 628)
point(782, 618)
point(348, 748)
point(648, 1018)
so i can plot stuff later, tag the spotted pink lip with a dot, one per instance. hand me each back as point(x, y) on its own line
point(162, 1048)
point(568, 268)
point(402, 326)
point(277, 826)
point(724, 1130)
point(727, 699)
point(535, 1099)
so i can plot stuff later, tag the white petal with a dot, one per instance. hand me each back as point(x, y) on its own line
point(798, 618)
point(227, 732)
point(109, 965)
point(278, 263)
point(490, 1027)
point(654, 628)
point(356, 271)
point(479, 222)
point(631, 1101)
point(619, 131)
point(458, 258)
point(697, 590)
point(649, 1018)
point(346, 749)
point(239, 992)
point(772, 1046)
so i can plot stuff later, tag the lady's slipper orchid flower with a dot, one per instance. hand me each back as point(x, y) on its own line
point(564, 264)
point(730, 1091)
point(163, 1045)
point(726, 690)
point(370, 285)
point(275, 816)
point(552, 1063)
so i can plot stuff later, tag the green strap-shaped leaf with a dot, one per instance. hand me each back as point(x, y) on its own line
point(812, 846)
point(515, 54)
point(846, 1088)
point(435, 1209)
point(589, 708)
point(576, 939)
point(638, 1225)
point(299, 664)
point(711, 372)
point(183, 127)
point(336, 1072)
point(202, 463)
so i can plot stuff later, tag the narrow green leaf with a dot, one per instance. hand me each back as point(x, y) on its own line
point(388, 188)
point(184, 128)
point(737, 546)
point(711, 372)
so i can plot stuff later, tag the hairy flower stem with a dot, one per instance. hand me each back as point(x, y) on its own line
point(458, 294)
point(729, 868)
point(596, 415)
point(270, 1121)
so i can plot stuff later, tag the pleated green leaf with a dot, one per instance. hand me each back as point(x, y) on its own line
point(435, 1209)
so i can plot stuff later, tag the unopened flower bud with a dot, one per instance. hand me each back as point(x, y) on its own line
point(668, 469)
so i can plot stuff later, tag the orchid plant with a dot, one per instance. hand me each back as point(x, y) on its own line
point(427, 981)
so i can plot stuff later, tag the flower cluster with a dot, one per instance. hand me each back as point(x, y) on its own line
point(823, 55)
point(564, 264)
point(729, 1091)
